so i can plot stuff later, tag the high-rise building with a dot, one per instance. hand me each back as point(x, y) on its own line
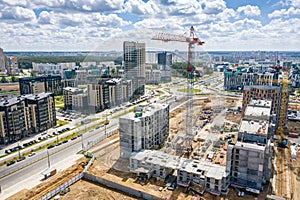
point(237, 80)
point(164, 58)
point(248, 160)
point(35, 85)
point(2, 60)
point(70, 97)
point(26, 114)
point(41, 108)
point(11, 64)
point(256, 92)
point(98, 96)
point(146, 128)
point(134, 55)
point(164, 62)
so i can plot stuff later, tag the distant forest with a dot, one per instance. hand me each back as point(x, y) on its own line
point(25, 62)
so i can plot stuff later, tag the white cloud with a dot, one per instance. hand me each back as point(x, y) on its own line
point(295, 3)
point(284, 13)
point(44, 18)
point(141, 8)
point(249, 10)
point(17, 13)
point(14, 2)
point(213, 6)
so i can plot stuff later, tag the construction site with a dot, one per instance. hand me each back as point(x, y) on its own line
point(209, 148)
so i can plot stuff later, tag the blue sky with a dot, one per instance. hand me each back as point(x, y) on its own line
point(101, 25)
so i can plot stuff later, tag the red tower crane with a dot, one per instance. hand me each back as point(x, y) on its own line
point(192, 40)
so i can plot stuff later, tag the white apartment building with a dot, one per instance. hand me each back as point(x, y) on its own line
point(146, 128)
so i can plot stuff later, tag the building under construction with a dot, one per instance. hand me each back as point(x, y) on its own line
point(146, 128)
point(249, 159)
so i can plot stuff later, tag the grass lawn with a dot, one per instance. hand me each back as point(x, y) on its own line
point(60, 123)
point(186, 90)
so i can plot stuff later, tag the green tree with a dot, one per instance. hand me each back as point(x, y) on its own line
point(14, 79)
point(113, 70)
point(3, 80)
point(32, 74)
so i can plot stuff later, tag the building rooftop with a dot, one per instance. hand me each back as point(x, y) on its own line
point(254, 126)
point(259, 109)
point(114, 81)
point(250, 146)
point(6, 102)
point(261, 102)
point(145, 110)
point(262, 87)
point(72, 89)
point(37, 96)
point(203, 168)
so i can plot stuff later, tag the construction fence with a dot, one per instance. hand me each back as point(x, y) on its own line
point(116, 186)
point(65, 186)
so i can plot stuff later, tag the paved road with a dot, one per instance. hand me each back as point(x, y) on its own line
point(57, 154)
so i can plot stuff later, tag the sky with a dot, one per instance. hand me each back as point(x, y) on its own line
point(103, 25)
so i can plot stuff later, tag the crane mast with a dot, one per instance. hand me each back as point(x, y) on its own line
point(283, 109)
point(192, 40)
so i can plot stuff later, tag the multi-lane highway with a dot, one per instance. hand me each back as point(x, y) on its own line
point(39, 162)
point(10, 175)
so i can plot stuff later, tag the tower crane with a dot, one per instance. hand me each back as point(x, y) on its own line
point(283, 109)
point(192, 40)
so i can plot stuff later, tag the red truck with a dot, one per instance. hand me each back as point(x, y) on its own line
point(293, 135)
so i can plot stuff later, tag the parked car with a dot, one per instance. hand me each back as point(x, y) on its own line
point(65, 141)
point(31, 154)
point(50, 147)
point(74, 138)
point(7, 151)
point(11, 163)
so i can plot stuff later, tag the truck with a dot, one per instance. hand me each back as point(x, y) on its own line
point(293, 135)
point(49, 172)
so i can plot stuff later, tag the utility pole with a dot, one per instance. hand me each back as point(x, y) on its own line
point(105, 124)
point(19, 150)
point(48, 159)
point(82, 146)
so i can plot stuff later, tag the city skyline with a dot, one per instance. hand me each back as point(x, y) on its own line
point(77, 25)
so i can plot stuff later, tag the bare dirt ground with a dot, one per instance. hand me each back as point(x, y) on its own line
point(51, 183)
point(84, 190)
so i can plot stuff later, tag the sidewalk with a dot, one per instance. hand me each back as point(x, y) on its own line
point(36, 179)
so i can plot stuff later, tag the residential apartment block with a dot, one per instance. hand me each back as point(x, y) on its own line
point(26, 114)
point(146, 128)
point(248, 161)
point(51, 68)
point(74, 99)
point(164, 61)
point(11, 64)
point(256, 92)
point(235, 80)
point(38, 84)
point(134, 55)
point(109, 93)
point(153, 76)
point(2, 61)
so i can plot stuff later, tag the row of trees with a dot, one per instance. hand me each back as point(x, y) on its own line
point(180, 68)
point(6, 79)
point(25, 62)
